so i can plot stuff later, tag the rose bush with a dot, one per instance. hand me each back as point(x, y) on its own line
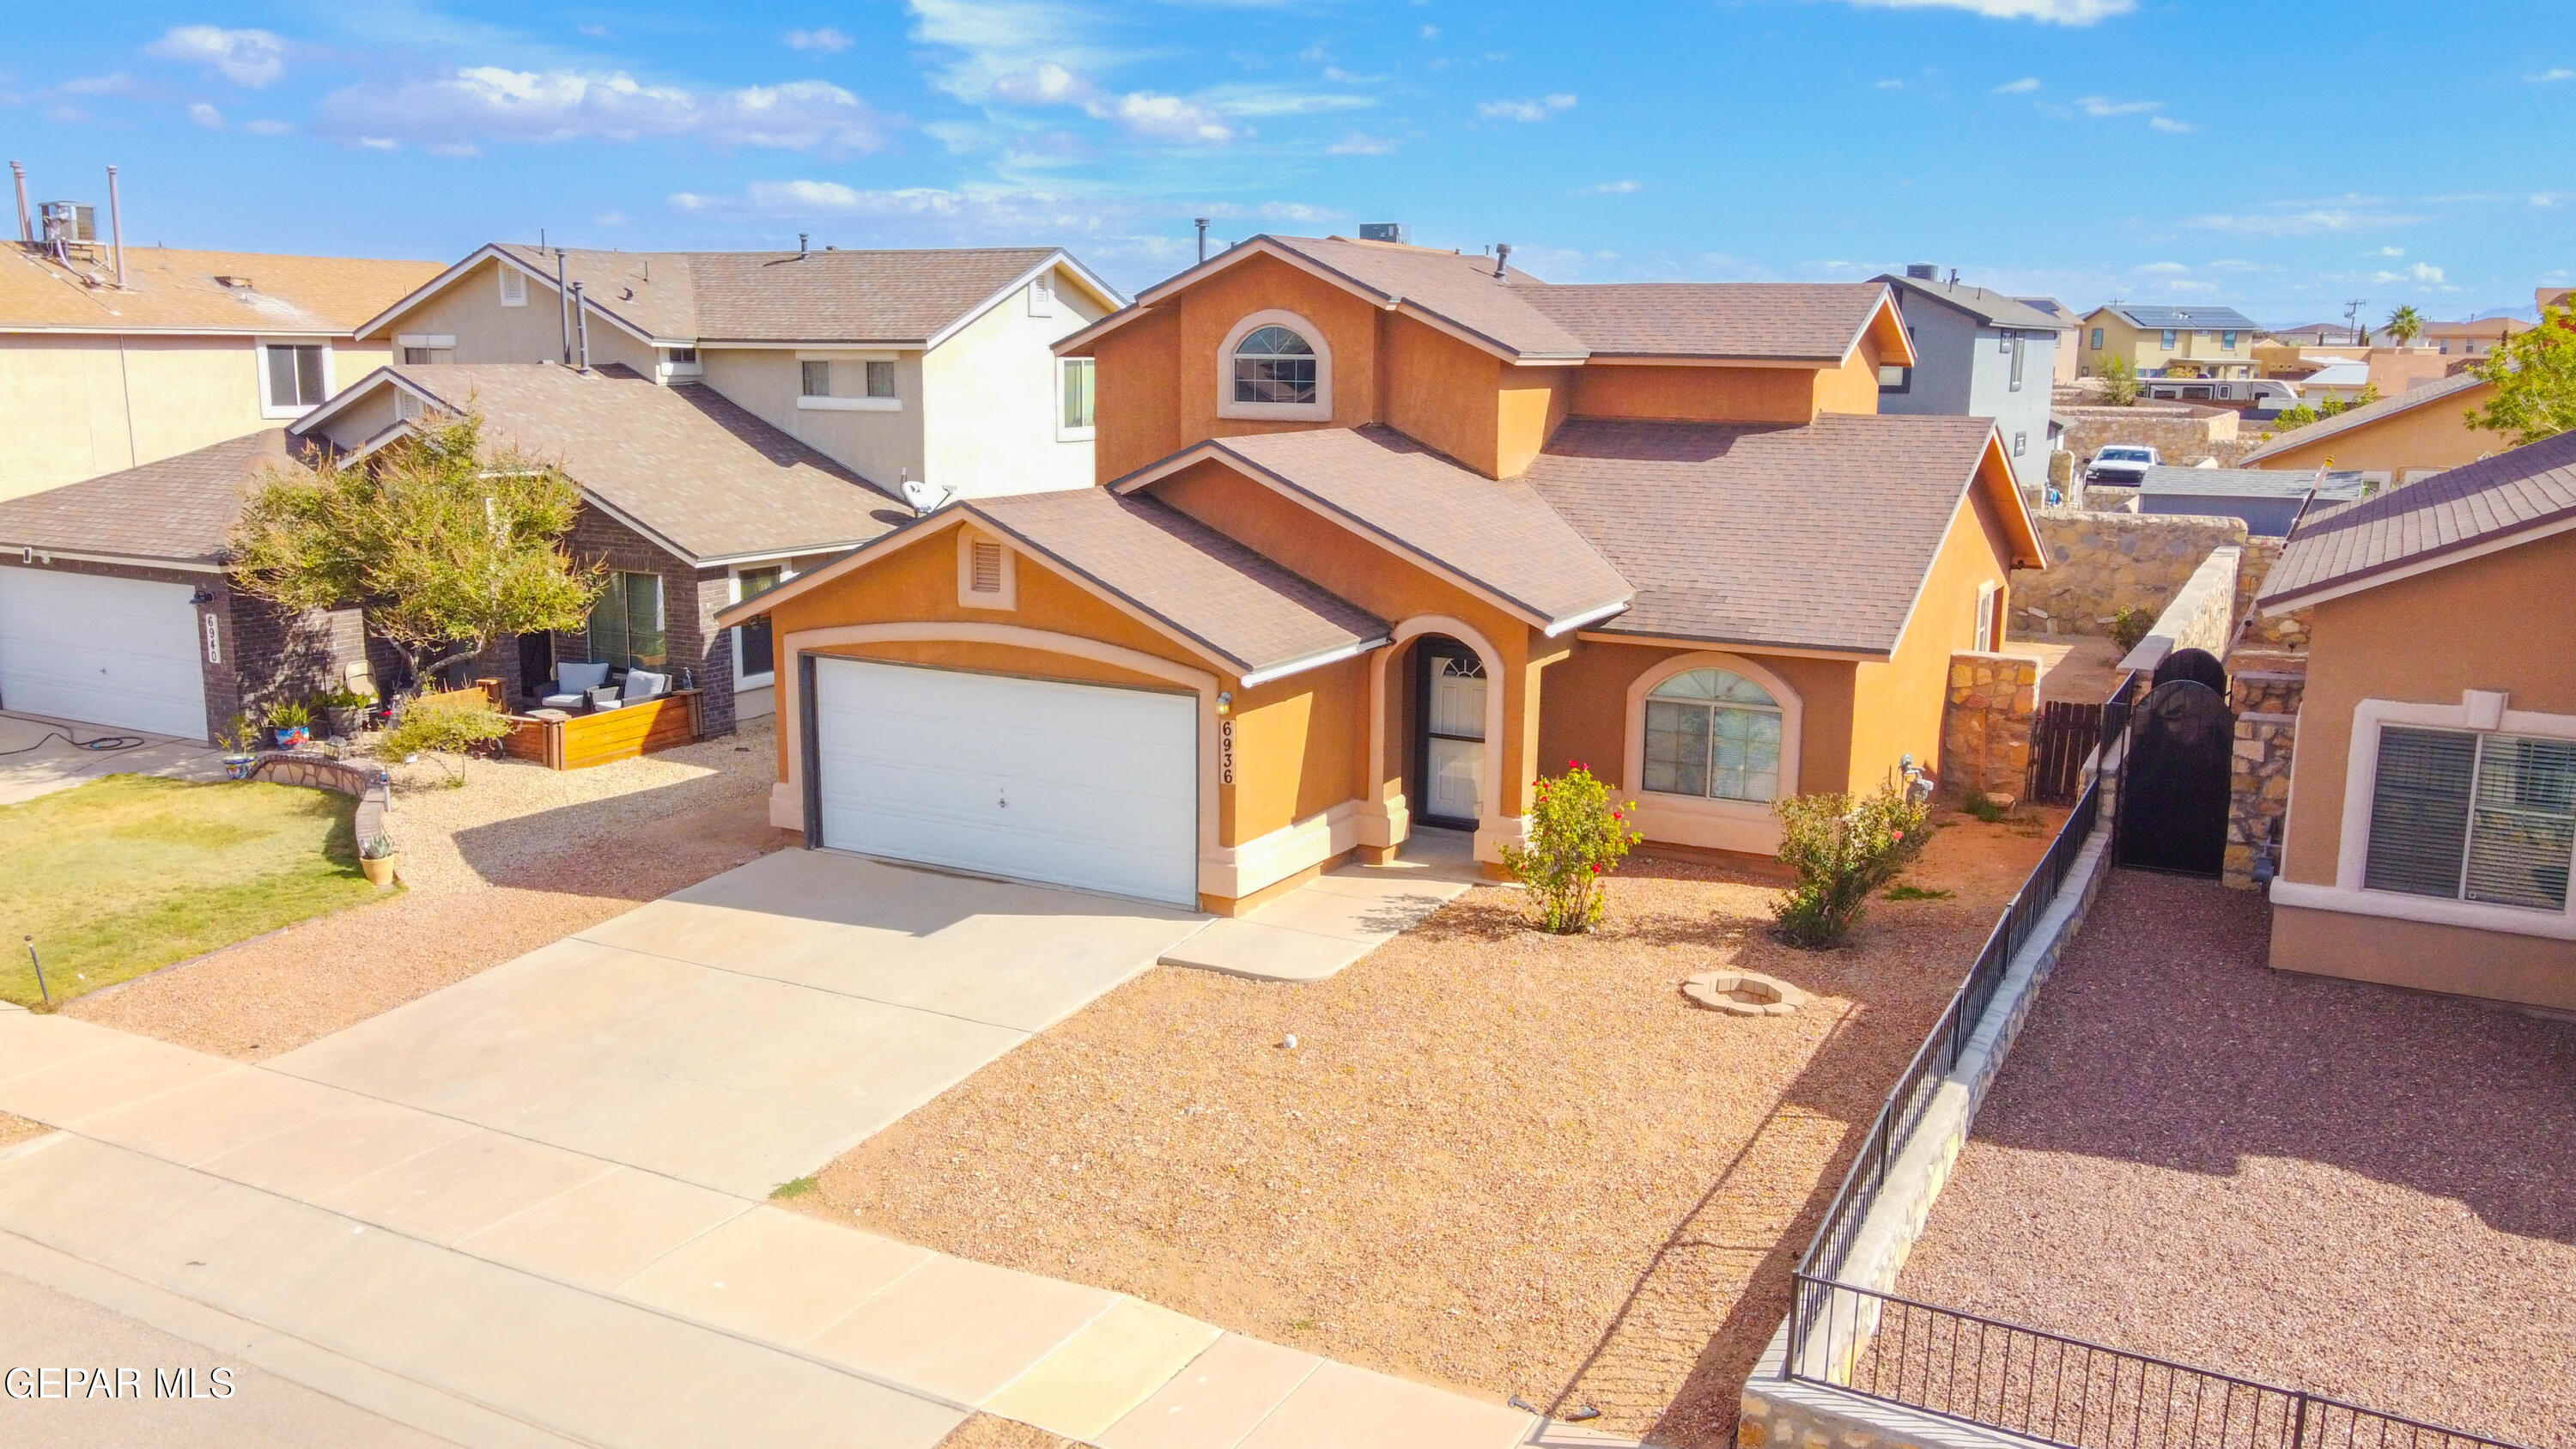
point(1576, 837)
point(1843, 849)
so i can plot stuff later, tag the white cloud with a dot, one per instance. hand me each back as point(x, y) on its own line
point(2551, 76)
point(267, 128)
point(2301, 223)
point(1891, 85)
point(2165, 268)
point(2021, 87)
point(825, 38)
point(1359, 143)
point(1294, 211)
point(2169, 125)
point(566, 105)
point(1612, 188)
point(2390, 252)
point(595, 32)
point(1045, 84)
point(1431, 32)
point(2105, 106)
point(245, 57)
point(379, 143)
point(2419, 273)
point(1167, 118)
point(2047, 12)
point(998, 38)
point(206, 116)
point(115, 84)
point(1537, 110)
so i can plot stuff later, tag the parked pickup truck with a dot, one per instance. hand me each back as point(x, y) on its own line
point(2123, 465)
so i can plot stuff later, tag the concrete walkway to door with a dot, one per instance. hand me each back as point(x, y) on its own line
point(749, 1029)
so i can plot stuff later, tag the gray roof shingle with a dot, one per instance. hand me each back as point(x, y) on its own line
point(179, 510)
point(1240, 606)
point(2340, 487)
point(1813, 537)
point(1995, 309)
point(831, 296)
point(2367, 413)
point(2492, 499)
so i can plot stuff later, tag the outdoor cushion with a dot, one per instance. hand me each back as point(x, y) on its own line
point(644, 684)
point(580, 678)
point(562, 701)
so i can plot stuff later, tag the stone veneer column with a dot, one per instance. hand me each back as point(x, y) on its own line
point(1985, 727)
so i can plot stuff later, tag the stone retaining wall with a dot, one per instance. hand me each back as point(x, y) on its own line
point(371, 785)
point(2182, 435)
point(2099, 562)
point(2265, 691)
point(2258, 790)
point(1985, 729)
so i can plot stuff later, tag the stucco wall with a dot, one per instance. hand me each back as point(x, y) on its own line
point(1962, 372)
point(2436, 435)
point(1437, 389)
point(2099, 562)
point(1583, 712)
point(989, 401)
point(1700, 394)
point(1898, 705)
point(880, 446)
point(470, 310)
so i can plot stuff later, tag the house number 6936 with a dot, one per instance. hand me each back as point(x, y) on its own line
point(1225, 753)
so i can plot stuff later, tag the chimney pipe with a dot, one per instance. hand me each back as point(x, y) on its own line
point(116, 227)
point(1197, 221)
point(581, 323)
point(26, 221)
point(563, 308)
point(801, 248)
point(1502, 255)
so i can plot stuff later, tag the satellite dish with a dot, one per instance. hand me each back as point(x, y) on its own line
point(923, 496)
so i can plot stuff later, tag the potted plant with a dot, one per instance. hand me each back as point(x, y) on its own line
point(240, 740)
point(292, 724)
point(344, 712)
point(376, 858)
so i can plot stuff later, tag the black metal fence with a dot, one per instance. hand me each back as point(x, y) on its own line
point(2000, 1375)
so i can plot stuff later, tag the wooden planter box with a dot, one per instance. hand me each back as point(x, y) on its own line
point(585, 740)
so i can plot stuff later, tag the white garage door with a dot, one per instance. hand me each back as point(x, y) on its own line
point(103, 651)
point(1071, 784)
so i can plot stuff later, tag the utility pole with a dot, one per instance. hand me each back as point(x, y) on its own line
point(2352, 314)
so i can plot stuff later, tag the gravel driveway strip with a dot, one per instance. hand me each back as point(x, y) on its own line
point(2326, 1184)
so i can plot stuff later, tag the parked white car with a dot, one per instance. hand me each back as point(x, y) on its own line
point(2122, 464)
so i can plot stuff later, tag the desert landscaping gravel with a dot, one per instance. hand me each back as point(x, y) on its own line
point(18, 1129)
point(517, 857)
point(983, 1431)
point(1494, 1160)
point(2334, 1186)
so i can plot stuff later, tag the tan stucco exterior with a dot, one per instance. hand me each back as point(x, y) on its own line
point(2495, 623)
point(2205, 353)
point(2434, 436)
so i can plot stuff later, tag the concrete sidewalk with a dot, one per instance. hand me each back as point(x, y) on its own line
point(1338, 917)
point(31, 764)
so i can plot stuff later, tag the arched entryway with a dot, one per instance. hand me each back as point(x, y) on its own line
point(1451, 764)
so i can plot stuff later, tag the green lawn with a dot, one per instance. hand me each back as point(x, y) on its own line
point(129, 873)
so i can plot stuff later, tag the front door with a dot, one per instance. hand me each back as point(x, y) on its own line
point(1451, 686)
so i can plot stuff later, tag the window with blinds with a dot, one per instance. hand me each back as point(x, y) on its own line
point(2475, 817)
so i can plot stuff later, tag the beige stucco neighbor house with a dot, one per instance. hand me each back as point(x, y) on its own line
point(930, 365)
point(192, 349)
point(2169, 341)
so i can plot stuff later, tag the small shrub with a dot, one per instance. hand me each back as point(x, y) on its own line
point(2121, 377)
point(1843, 850)
point(1915, 893)
point(793, 1187)
point(241, 737)
point(378, 846)
point(2129, 626)
point(1984, 806)
point(1576, 837)
point(450, 721)
point(289, 716)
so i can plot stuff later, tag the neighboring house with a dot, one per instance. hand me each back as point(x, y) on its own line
point(2545, 298)
point(1383, 534)
point(2068, 325)
point(1980, 354)
point(2169, 341)
point(690, 501)
point(115, 609)
point(2340, 378)
point(2416, 432)
point(2472, 339)
point(194, 347)
point(2268, 502)
point(931, 365)
point(2433, 783)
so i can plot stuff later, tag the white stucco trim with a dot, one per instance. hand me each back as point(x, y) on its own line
point(1320, 410)
point(2478, 711)
point(787, 798)
point(1239, 870)
point(1387, 821)
point(1744, 825)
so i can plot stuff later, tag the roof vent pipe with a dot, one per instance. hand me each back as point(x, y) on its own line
point(26, 221)
point(116, 227)
point(1502, 256)
point(1200, 222)
point(581, 323)
point(1954, 276)
point(801, 248)
point(563, 308)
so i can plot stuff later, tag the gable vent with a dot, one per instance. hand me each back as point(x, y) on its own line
point(985, 568)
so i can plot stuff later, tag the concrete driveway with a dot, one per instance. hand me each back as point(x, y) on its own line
point(755, 1026)
point(38, 758)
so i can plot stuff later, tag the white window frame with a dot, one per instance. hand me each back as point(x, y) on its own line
point(2478, 712)
point(270, 407)
point(970, 597)
point(839, 402)
point(1745, 825)
point(1063, 432)
point(742, 681)
point(1985, 631)
point(505, 273)
point(1320, 410)
point(668, 368)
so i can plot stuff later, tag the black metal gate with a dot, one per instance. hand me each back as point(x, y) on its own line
point(2174, 789)
point(2061, 740)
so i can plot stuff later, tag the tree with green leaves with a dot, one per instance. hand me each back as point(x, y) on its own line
point(2534, 376)
point(2405, 324)
point(449, 547)
point(2122, 376)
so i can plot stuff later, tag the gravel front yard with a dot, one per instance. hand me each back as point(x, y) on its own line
point(2319, 1183)
point(1494, 1160)
point(518, 857)
point(18, 1129)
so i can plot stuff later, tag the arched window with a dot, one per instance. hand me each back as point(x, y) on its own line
point(1273, 364)
point(1713, 733)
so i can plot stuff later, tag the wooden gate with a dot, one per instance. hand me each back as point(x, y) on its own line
point(2061, 739)
point(2174, 791)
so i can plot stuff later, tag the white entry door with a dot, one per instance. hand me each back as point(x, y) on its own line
point(1069, 784)
point(1454, 753)
point(101, 650)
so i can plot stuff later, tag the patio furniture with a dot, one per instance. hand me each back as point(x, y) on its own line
point(563, 740)
point(572, 684)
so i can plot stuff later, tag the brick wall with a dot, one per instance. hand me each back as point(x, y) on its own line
point(278, 657)
point(1985, 728)
point(690, 598)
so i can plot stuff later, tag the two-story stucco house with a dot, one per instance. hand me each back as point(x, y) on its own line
point(2169, 341)
point(1382, 534)
point(1980, 354)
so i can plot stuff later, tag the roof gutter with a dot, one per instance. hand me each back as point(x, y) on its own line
point(1572, 622)
point(1261, 677)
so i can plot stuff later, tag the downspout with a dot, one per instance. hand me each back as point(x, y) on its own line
point(116, 227)
point(581, 324)
point(563, 301)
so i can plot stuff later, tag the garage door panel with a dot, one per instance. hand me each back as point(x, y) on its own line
point(1082, 785)
point(108, 651)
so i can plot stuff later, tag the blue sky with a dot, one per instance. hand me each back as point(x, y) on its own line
point(2283, 158)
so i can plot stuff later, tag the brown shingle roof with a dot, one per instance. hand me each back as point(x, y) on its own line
point(1458, 287)
point(176, 291)
point(1498, 535)
point(1238, 605)
point(856, 296)
point(2366, 414)
point(1786, 321)
point(1812, 537)
point(2485, 502)
point(701, 473)
point(179, 509)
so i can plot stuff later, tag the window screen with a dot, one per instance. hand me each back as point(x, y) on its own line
point(815, 379)
point(2473, 817)
point(880, 379)
point(1079, 375)
point(294, 376)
